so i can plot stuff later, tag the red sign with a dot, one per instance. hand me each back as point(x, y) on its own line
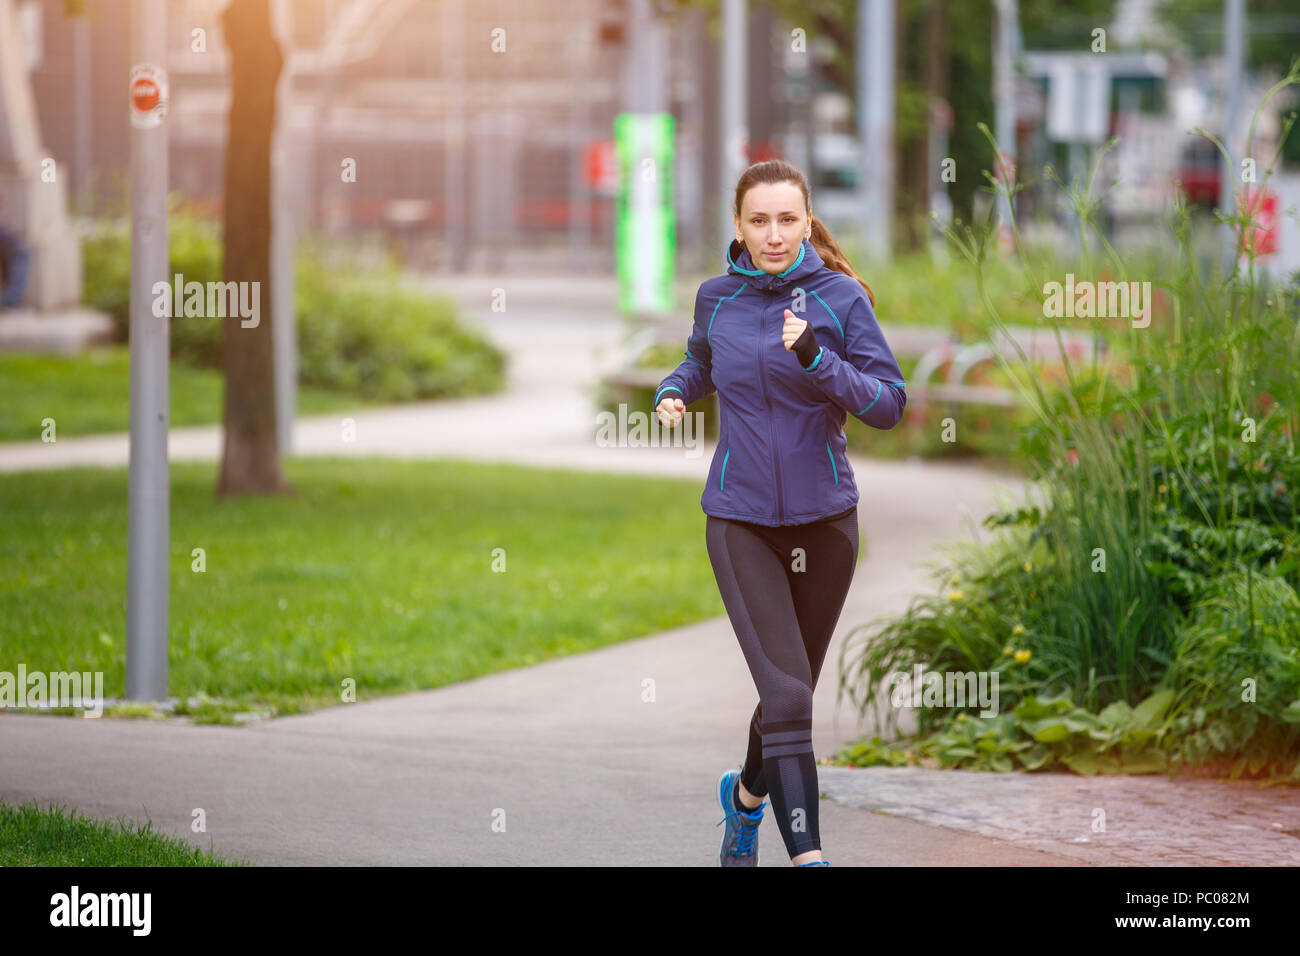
point(148, 95)
point(144, 94)
point(1261, 232)
point(600, 165)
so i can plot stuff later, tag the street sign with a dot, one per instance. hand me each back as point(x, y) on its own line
point(1261, 235)
point(600, 166)
point(645, 230)
point(1078, 101)
point(149, 95)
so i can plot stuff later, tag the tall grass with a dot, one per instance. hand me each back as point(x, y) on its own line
point(1169, 470)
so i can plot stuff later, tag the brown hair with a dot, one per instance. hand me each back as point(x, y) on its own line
point(780, 171)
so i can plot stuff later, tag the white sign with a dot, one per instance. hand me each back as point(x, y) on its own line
point(1078, 101)
point(148, 95)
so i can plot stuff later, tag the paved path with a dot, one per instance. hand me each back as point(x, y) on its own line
point(581, 769)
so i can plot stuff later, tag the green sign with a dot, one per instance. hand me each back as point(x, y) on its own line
point(645, 231)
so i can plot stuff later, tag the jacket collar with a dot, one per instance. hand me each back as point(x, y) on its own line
point(741, 264)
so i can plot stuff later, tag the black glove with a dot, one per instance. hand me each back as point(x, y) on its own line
point(805, 346)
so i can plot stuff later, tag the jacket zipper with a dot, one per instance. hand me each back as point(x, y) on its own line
point(762, 374)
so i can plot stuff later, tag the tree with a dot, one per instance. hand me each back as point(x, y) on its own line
point(250, 460)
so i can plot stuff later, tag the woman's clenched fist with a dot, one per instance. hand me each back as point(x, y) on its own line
point(670, 411)
point(797, 336)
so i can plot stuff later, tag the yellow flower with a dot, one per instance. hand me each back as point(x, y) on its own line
point(954, 595)
point(1018, 629)
point(1162, 489)
point(1029, 566)
point(1007, 650)
point(1022, 656)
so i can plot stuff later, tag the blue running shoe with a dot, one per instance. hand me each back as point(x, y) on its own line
point(739, 846)
point(817, 863)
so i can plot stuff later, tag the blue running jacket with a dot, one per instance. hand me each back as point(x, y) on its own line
point(782, 457)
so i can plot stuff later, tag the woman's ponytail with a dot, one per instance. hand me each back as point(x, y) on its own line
point(833, 256)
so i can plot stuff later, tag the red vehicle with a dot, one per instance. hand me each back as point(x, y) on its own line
point(1198, 172)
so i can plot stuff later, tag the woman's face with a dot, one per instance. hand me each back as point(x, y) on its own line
point(773, 225)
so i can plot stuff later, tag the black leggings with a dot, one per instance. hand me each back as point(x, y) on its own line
point(784, 605)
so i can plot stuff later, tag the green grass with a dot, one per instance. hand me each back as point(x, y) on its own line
point(380, 571)
point(32, 836)
point(90, 393)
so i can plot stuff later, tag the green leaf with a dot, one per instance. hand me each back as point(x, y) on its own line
point(1089, 764)
point(1147, 715)
point(1147, 762)
point(1084, 763)
point(1079, 720)
point(1117, 714)
point(1031, 708)
point(1050, 730)
point(1034, 757)
point(1136, 738)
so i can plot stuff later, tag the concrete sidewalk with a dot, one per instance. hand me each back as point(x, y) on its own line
point(566, 753)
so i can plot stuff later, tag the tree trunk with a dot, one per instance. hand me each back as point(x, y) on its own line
point(250, 461)
point(922, 76)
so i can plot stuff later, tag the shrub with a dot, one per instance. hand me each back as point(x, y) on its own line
point(1166, 558)
point(374, 335)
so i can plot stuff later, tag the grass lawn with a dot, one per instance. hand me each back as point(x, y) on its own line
point(32, 836)
point(380, 571)
point(90, 393)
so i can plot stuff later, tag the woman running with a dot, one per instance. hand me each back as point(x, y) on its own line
point(788, 338)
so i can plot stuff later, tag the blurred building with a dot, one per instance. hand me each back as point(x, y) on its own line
point(468, 144)
point(480, 131)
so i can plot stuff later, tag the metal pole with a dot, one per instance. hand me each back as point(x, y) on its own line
point(1233, 58)
point(82, 115)
point(875, 79)
point(284, 321)
point(735, 16)
point(1004, 99)
point(690, 192)
point(148, 493)
point(579, 135)
point(456, 140)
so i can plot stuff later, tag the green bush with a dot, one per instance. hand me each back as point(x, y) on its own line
point(194, 251)
point(370, 334)
point(378, 336)
point(1041, 733)
point(1237, 663)
point(1166, 558)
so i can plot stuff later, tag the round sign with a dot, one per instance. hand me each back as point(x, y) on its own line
point(144, 94)
point(148, 94)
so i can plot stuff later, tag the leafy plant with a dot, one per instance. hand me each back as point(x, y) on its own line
point(1164, 555)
